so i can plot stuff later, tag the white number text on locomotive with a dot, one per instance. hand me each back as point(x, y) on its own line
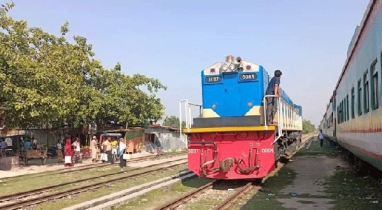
point(248, 77)
point(267, 150)
point(193, 151)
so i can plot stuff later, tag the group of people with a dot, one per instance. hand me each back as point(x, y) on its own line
point(70, 153)
point(108, 147)
point(69, 149)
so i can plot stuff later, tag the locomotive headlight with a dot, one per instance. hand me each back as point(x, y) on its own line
point(232, 67)
point(213, 106)
point(225, 67)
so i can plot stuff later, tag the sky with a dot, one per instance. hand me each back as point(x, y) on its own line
point(174, 40)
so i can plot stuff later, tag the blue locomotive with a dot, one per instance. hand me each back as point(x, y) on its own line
point(232, 116)
point(233, 93)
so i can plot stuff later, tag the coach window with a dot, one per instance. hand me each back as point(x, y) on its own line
point(366, 91)
point(359, 98)
point(344, 108)
point(374, 84)
point(340, 108)
point(347, 107)
point(342, 111)
point(352, 103)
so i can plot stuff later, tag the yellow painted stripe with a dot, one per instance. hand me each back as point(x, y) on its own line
point(228, 129)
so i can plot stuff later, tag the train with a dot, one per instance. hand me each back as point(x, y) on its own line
point(353, 116)
point(230, 138)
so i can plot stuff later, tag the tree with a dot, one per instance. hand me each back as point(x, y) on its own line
point(307, 126)
point(40, 73)
point(45, 80)
point(173, 121)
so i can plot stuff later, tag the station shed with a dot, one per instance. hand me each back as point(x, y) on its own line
point(169, 137)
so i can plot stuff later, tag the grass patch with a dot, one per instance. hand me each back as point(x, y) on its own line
point(267, 197)
point(34, 181)
point(316, 150)
point(161, 196)
point(111, 188)
point(352, 191)
point(19, 184)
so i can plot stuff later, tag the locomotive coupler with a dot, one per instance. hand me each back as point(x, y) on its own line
point(225, 165)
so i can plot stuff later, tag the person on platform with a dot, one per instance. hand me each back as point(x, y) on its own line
point(121, 151)
point(321, 138)
point(3, 148)
point(77, 149)
point(114, 148)
point(68, 153)
point(59, 151)
point(27, 144)
point(158, 145)
point(106, 146)
point(273, 89)
point(34, 143)
point(94, 148)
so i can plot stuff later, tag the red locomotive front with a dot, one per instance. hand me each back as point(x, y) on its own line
point(232, 154)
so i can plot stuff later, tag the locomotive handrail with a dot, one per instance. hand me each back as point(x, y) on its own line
point(187, 111)
point(180, 117)
point(279, 115)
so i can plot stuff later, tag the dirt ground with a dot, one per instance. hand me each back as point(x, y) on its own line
point(324, 180)
point(311, 175)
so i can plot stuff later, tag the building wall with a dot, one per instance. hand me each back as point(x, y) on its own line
point(44, 137)
point(170, 140)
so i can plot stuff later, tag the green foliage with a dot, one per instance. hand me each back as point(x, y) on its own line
point(46, 80)
point(307, 126)
point(173, 121)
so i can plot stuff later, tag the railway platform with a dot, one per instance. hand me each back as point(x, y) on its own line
point(317, 178)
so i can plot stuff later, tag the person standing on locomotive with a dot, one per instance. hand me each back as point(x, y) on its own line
point(273, 89)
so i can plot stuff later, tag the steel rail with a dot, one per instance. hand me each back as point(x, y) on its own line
point(228, 202)
point(34, 201)
point(48, 188)
point(175, 203)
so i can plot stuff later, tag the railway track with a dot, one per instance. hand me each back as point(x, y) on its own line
point(97, 165)
point(179, 201)
point(251, 186)
point(17, 203)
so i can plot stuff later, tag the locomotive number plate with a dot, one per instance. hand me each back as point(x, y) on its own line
point(248, 77)
point(267, 150)
point(214, 79)
point(192, 151)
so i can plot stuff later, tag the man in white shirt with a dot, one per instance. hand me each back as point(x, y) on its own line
point(77, 149)
point(321, 137)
